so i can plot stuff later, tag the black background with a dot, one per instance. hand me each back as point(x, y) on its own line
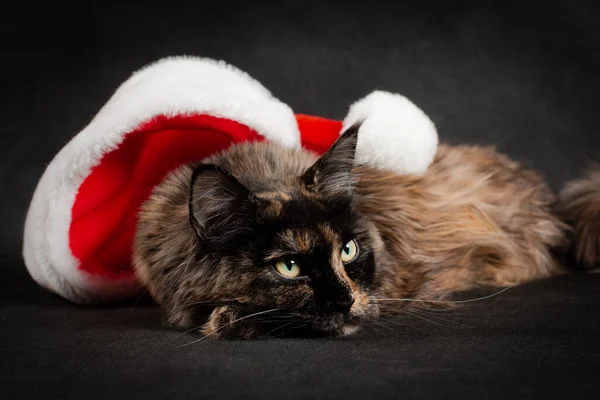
point(520, 75)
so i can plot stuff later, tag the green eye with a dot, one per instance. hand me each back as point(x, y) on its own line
point(287, 267)
point(349, 252)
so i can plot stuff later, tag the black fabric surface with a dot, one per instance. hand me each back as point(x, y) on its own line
point(519, 75)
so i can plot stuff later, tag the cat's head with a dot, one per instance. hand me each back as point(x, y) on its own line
point(299, 247)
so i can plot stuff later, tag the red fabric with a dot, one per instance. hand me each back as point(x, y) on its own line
point(104, 214)
point(316, 133)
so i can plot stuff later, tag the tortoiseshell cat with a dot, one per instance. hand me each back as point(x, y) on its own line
point(262, 239)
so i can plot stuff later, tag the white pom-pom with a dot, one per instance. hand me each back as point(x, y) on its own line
point(395, 135)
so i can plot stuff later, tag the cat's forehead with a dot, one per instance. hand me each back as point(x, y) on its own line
point(303, 240)
point(301, 215)
point(289, 203)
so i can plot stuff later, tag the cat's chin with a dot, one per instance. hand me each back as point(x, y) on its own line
point(347, 325)
point(333, 325)
point(349, 329)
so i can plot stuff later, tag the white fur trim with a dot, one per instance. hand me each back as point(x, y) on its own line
point(171, 86)
point(395, 134)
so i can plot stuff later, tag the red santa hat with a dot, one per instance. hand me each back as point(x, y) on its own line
point(81, 220)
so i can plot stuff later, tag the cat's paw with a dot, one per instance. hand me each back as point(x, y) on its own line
point(228, 323)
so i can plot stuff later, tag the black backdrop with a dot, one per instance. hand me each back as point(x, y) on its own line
point(519, 75)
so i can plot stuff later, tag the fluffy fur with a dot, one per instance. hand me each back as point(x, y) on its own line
point(210, 235)
point(580, 207)
point(475, 218)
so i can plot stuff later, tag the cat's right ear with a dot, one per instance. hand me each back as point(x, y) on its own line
point(332, 172)
point(217, 202)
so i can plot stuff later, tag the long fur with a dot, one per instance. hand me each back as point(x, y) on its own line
point(207, 239)
point(580, 208)
point(475, 218)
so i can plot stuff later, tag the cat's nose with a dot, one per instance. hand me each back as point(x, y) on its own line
point(343, 304)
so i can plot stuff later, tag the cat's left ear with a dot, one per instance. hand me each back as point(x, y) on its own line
point(218, 202)
point(332, 173)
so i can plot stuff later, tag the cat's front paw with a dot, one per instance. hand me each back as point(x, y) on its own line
point(228, 323)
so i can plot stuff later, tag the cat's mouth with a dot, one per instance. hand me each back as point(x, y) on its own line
point(340, 324)
point(345, 324)
point(321, 322)
point(348, 327)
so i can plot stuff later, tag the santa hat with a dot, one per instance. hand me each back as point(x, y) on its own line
point(81, 220)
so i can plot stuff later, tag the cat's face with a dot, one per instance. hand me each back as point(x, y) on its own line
point(298, 248)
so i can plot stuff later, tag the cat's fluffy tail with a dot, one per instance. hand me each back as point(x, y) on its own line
point(580, 208)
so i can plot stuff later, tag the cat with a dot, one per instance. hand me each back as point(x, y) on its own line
point(262, 240)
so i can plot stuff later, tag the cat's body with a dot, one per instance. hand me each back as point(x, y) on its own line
point(475, 218)
point(260, 237)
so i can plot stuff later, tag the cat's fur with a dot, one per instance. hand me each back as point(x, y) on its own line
point(209, 236)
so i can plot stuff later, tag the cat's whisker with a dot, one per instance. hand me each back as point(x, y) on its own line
point(141, 296)
point(209, 304)
point(228, 303)
point(441, 309)
point(274, 319)
point(444, 301)
point(231, 323)
point(293, 328)
point(280, 327)
point(414, 314)
point(455, 319)
point(439, 292)
point(384, 323)
point(434, 295)
point(434, 317)
point(396, 321)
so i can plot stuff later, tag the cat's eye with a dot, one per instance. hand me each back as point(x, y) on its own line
point(287, 267)
point(349, 252)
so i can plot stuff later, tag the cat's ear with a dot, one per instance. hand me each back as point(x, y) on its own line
point(217, 202)
point(332, 173)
